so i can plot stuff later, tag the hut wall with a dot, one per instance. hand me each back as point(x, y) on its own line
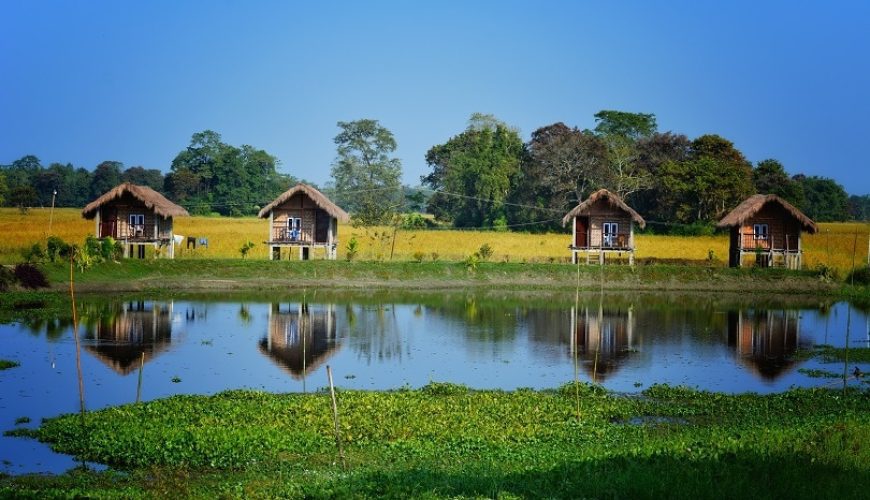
point(596, 228)
point(783, 230)
point(121, 211)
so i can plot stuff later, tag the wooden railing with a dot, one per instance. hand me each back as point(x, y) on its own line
point(749, 242)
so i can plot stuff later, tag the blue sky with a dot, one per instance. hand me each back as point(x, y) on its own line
point(84, 82)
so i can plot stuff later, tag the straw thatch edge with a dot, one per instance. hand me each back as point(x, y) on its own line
point(151, 198)
point(611, 198)
point(751, 206)
point(319, 199)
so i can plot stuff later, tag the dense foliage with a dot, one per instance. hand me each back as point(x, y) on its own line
point(485, 176)
point(212, 176)
point(367, 180)
point(445, 440)
point(673, 181)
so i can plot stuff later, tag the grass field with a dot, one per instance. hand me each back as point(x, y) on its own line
point(832, 246)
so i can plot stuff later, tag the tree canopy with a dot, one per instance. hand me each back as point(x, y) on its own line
point(367, 179)
point(474, 173)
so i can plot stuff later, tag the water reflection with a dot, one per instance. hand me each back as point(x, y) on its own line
point(301, 337)
point(119, 335)
point(765, 340)
point(602, 339)
point(382, 342)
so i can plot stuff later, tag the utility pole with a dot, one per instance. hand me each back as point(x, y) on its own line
point(51, 213)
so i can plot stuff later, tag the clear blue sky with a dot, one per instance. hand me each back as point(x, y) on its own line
point(84, 82)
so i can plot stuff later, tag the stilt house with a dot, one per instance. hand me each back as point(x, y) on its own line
point(767, 229)
point(136, 216)
point(302, 217)
point(602, 225)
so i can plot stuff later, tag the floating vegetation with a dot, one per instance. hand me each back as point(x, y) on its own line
point(6, 364)
point(816, 373)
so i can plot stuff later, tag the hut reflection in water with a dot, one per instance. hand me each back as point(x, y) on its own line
point(601, 339)
point(301, 337)
point(765, 341)
point(123, 332)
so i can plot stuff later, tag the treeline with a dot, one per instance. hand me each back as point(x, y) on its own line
point(209, 176)
point(485, 176)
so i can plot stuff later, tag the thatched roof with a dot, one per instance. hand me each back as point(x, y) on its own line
point(612, 199)
point(316, 196)
point(755, 203)
point(151, 198)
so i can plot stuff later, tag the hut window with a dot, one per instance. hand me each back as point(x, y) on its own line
point(759, 231)
point(137, 224)
point(294, 227)
point(610, 230)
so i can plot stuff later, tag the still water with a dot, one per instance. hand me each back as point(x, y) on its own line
point(199, 346)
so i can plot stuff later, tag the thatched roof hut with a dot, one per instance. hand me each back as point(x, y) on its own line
point(304, 218)
point(753, 205)
point(150, 198)
point(316, 196)
point(768, 229)
point(603, 195)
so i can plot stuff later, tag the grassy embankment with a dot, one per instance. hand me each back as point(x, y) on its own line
point(447, 441)
point(833, 246)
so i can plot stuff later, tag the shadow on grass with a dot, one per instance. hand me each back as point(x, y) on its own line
point(655, 477)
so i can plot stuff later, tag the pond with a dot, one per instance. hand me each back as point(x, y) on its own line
point(382, 341)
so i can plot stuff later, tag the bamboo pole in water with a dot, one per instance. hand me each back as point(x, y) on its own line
point(335, 418)
point(139, 384)
point(72, 295)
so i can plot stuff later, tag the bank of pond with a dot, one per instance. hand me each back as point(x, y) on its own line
point(565, 387)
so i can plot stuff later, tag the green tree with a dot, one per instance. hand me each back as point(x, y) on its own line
point(703, 188)
point(212, 176)
point(366, 177)
point(106, 176)
point(4, 189)
point(474, 172)
point(142, 176)
point(826, 200)
point(621, 132)
point(859, 207)
point(769, 177)
point(561, 167)
point(632, 126)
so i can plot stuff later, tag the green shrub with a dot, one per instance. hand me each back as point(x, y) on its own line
point(860, 276)
point(415, 221)
point(7, 278)
point(30, 276)
point(352, 248)
point(419, 256)
point(245, 248)
point(484, 252)
point(33, 254)
point(111, 250)
point(56, 248)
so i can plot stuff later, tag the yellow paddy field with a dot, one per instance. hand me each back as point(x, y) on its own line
point(832, 246)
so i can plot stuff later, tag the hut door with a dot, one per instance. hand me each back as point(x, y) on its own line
point(321, 228)
point(581, 232)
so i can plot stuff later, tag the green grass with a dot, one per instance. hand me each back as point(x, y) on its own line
point(449, 441)
point(229, 274)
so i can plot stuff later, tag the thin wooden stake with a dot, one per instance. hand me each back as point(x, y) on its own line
point(139, 385)
point(335, 418)
point(72, 295)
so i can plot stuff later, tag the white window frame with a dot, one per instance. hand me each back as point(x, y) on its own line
point(609, 232)
point(137, 224)
point(760, 232)
point(294, 223)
